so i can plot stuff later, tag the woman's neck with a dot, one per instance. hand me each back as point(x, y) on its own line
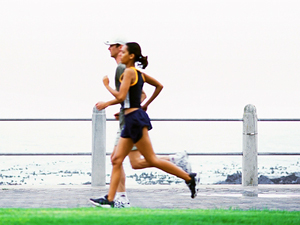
point(130, 64)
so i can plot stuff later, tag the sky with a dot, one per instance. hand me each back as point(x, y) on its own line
point(213, 57)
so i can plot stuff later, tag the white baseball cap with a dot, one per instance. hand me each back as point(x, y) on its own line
point(116, 40)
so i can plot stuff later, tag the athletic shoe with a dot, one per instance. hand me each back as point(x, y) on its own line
point(192, 184)
point(122, 202)
point(181, 160)
point(102, 202)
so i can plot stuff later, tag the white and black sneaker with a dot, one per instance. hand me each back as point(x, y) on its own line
point(121, 202)
point(181, 160)
point(193, 183)
point(103, 202)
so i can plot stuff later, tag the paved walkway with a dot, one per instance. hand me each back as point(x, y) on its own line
point(272, 197)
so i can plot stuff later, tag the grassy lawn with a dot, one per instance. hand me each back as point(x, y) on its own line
point(137, 216)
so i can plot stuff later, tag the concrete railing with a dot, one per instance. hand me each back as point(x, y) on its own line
point(249, 166)
point(249, 154)
point(98, 147)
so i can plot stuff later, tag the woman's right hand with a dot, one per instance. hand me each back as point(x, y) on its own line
point(101, 105)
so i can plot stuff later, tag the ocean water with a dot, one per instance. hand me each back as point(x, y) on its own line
point(76, 170)
point(166, 137)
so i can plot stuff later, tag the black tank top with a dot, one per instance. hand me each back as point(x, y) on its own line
point(133, 97)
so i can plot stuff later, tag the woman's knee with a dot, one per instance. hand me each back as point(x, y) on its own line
point(116, 161)
point(113, 153)
point(153, 161)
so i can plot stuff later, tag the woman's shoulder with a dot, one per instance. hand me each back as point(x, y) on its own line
point(130, 70)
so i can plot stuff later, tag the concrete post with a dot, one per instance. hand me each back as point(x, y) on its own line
point(98, 147)
point(249, 173)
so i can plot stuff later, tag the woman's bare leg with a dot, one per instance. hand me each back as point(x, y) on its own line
point(121, 187)
point(124, 147)
point(145, 147)
point(138, 163)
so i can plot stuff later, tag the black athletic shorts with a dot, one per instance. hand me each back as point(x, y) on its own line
point(134, 124)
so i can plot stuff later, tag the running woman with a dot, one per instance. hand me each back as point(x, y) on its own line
point(180, 158)
point(137, 123)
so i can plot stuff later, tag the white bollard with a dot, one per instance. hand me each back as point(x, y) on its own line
point(98, 147)
point(249, 171)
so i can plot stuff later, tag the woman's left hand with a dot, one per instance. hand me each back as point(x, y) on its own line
point(105, 81)
point(117, 115)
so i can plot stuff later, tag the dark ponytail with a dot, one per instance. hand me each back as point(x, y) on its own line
point(134, 48)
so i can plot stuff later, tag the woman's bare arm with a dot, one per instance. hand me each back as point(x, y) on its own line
point(120, 95)
point(158, 87)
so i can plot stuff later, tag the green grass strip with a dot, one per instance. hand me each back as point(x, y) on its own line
point(137, 216)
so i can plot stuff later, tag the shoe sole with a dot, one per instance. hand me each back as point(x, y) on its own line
point(99, 205)
point(197, 183)
point(124, 206)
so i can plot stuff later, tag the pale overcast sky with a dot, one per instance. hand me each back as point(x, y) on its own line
point(213, 57)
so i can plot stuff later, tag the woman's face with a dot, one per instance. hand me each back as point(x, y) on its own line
point(126, 57)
